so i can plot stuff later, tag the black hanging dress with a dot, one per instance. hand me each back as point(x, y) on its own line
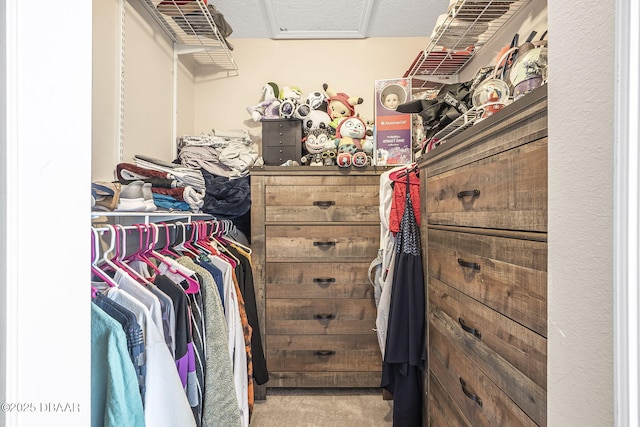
point(405, 352)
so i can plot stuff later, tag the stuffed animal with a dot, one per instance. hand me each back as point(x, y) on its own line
point(317, 119)
point(340, 105)
point(350, 135)
point(269, 107)
point(290, 102)
point(368, 144)
point(320, 148)
point(317, 101)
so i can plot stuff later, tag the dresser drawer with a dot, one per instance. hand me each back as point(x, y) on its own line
point(510, 355)
point(504, 191)
point(281, 132)
point(321, 353)
point(287, 203)
point(442, 411)
point(508, 275)
point(324, 243)
point(296, 316)
point(479, 399)
point(318, 280)
point(280, 154)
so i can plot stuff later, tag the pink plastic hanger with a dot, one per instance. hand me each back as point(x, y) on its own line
point(182, 246)
point(120, 258)
point(194, 286)
point(143, 247)
point(166, 249)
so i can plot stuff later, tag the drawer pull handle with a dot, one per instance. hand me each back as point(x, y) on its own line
point(469, 329)
point(470, 395)
point(468, 193)
point(468, 264)
point(324, 352)
point(324, 203)
point(324, 281)
point(324, 243)
point(324, 316)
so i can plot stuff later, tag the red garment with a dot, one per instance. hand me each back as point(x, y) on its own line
point(399, 195)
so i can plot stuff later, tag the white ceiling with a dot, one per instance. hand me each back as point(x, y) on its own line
point(331, 18)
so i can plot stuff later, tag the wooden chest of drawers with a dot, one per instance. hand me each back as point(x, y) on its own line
point(315, 230)
point(485, 204)
point(281, 141)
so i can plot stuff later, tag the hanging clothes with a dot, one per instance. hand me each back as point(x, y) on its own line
point(405, 354)
point(195, 309)
point(219, 397)
point(236, 337)
point(244, 274)
point(115, 400)
point(381, 269)
point(401, 178)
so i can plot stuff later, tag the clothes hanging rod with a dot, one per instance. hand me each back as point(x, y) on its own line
point(136, 227)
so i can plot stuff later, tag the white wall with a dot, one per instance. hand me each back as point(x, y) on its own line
point(581, 84)
point(349, 66)
point(45, 132)
point(155, 108)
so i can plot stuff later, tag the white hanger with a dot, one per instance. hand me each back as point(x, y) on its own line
point(95, 255)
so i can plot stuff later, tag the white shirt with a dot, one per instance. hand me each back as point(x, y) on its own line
point(166, 403)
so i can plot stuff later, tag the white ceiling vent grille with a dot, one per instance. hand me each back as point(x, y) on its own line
point(311, 19)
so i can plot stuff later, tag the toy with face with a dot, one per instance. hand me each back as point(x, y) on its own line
point(320, 148)
point(350, 135)
point(317, 141)
point(391, 101)
point(316, 119)
point(352, 127)
point(269, 108)
point(340, 105)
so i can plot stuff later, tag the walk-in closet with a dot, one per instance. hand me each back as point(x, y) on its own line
point(176, 251)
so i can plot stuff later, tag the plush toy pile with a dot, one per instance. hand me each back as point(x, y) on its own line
point(333, 134)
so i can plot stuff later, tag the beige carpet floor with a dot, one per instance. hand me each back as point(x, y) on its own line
point(296, 407)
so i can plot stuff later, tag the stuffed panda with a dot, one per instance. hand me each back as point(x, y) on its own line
point(316, 119)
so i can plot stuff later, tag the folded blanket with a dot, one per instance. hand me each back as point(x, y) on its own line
point(187, 176)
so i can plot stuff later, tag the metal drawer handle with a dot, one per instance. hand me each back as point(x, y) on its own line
point(324, 203)
point(469, 329)
point(468, 193)
point(468, 264)
point(324, 316)
point(324, 243)
point(470, 395)
point(324, 352)
point(324, 281)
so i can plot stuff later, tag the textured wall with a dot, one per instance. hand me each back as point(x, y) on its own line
point(580, 371)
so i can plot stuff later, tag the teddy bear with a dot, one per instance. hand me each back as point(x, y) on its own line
point(269, 107)
point(340, 105)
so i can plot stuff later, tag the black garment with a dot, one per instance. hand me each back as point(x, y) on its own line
point(181, 309)
point(224, 197)
point(244, 275)
point(198, 333)
point(405, 352)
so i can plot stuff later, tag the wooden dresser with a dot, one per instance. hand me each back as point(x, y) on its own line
point(485, 246)
point(315, 231)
